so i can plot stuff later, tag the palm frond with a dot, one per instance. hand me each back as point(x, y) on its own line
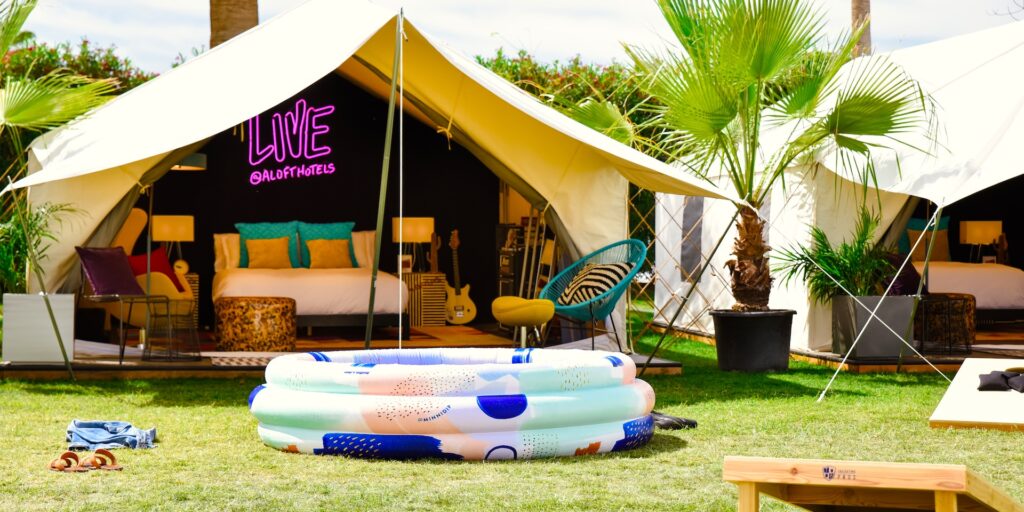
point(51, 100)
point(13, 14)
point(604, 117)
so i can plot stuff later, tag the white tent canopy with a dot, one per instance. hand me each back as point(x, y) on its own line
point(577, 172)
point(977, 83)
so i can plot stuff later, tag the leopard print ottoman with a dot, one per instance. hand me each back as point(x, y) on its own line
point(255, 324)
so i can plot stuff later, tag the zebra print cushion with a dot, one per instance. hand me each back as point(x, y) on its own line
point(593, 280)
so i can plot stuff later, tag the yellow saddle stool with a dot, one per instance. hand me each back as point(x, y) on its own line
point(526, 315)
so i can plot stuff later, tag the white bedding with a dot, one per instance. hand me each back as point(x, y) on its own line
point(994, 286)
point(342, 291)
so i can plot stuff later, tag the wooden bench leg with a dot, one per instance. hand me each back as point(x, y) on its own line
point(945, 501)
point(750, 498)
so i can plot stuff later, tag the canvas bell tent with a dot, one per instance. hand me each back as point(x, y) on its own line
point(99, 164)
point(977, 84)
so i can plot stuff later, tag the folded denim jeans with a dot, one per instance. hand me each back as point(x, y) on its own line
point(93, 434)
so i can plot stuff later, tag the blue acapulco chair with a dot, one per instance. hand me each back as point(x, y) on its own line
point(627, 251)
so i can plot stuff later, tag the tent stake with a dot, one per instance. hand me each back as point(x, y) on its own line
point(686, 299)
point(384, 179)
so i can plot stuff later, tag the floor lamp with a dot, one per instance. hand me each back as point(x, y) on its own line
point(978, 233)
point(413, 230)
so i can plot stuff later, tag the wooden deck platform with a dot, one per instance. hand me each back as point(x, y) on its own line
point(99, 361)
point(827, 485)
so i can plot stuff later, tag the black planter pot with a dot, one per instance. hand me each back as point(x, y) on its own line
point(753, 341)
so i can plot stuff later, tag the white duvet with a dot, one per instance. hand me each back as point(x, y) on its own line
point(994, 286)
point(341, 291)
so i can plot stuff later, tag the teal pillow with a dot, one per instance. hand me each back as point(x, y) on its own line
point(265, 230)
point(903, 244)
point(328, 231)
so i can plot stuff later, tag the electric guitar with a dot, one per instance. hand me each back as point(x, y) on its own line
point(459, 308)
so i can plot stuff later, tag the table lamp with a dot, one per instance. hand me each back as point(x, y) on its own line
point(414, 231)
point(174, 229)
point(977, 233)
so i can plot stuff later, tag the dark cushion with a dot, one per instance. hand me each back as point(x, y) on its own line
point(159, 264)
point(593, 280)
point(1016, 383)
point(108, 271)
point(995, 381)
point(906, 281)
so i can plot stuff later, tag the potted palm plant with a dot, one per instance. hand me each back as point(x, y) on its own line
point(855, 270)
point(751, 94)
point(37, 327)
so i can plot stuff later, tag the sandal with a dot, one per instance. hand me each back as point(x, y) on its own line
point(101, 459)
point(67, 462)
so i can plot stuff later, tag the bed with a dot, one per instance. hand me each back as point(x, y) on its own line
point(998, 289)
point(323, 296)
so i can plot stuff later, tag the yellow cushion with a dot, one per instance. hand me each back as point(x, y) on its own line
point(941, 250)
point(517, 311)
point(268, 253)
point(329, 254)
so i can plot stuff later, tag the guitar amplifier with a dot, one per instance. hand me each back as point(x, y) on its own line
point(509, 248)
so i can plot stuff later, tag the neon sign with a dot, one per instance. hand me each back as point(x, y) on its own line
point(296, 135)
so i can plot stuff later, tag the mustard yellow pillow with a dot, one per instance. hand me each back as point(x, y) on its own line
point(268, 253)
point(941, 250)
point(329, 254)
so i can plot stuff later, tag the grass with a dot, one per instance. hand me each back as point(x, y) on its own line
point(209, 457)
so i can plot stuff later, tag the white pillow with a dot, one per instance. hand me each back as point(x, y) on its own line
point(227, 251)
point(362, 245)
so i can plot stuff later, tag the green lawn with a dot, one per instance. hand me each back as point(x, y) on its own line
point(209, 457)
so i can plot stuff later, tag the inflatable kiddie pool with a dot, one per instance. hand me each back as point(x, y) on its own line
point(458, 404)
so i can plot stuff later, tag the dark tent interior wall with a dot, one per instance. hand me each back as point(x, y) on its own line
point(450, 185)
point(994, 203)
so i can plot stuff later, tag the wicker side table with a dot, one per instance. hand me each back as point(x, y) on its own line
point(257, 324)
point(944, 323)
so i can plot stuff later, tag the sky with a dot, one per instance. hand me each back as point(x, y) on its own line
point(153, 32)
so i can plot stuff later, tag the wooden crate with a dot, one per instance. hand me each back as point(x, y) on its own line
point(426, 298)
point(820, 485)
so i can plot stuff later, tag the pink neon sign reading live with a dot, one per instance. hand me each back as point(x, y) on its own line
point(297, 135)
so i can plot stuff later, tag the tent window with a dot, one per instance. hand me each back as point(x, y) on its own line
point(690, 250)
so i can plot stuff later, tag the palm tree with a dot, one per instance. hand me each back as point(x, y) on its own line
point(749, 66)
point(860, 13)
point(228, 18)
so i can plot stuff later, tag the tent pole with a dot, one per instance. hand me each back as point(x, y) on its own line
point(147, 339)
point(686, 299)
point(384, 178)
point(921, 283)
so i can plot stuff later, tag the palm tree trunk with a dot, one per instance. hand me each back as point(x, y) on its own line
point(751, 277)
point(228, 18)
point(860, 10)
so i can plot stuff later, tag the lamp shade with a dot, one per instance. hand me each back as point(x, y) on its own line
point(414, 230)
point(980, 232)
point(193, 162)
point(173, 228)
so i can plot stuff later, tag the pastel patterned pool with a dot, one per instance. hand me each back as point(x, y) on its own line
point(453, 403)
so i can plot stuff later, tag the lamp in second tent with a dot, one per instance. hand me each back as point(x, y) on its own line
point(413, 231)
point(978, 233)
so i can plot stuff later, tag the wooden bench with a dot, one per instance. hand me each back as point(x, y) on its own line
point(834, 485)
